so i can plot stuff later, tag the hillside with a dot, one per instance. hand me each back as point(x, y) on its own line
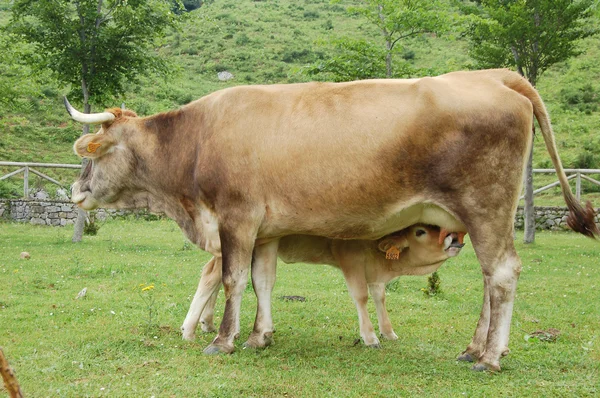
point(269, 42)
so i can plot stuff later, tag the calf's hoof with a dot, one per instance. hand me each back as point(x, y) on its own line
point(390, 336)
point(376, 346)
point(215, 349)
point(257, 340)
point(187, 334)
point(207, 327)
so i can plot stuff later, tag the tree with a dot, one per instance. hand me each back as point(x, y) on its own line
point(401, 19)
point(95, 47)
point(531, 36)
point(348, 59)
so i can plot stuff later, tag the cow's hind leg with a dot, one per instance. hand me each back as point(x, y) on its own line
point(501, 267)
point(237, 244)
point(477, 346)
point(385, 325)
point(204, 299)
point(264, 264)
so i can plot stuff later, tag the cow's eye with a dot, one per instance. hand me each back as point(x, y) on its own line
point(420, 232)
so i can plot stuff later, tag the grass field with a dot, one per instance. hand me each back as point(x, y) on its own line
point(121, 340)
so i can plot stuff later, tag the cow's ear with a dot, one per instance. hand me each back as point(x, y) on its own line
point(392, 246)
point(93, 145)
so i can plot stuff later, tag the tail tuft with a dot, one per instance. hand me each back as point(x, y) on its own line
point(582, 220)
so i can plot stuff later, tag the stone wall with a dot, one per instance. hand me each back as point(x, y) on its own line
point(59, 213)
point(49, 212)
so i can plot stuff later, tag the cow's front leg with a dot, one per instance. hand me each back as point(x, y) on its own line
point(237, 244)
point(264, 264)
point(385, 325)
point(204, 298)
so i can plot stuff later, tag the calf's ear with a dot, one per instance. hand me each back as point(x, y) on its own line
point(93, 145)
point(392, 246)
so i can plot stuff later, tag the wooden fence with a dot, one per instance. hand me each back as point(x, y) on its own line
point(578, 174)
point(27, 167)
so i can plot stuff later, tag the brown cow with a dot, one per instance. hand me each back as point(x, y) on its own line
point(244, 166)
point(367, 266)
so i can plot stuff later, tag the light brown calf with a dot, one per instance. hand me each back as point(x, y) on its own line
point(367, 267)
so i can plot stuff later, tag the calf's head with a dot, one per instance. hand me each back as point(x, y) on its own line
point(109, 177)
point(422, 244)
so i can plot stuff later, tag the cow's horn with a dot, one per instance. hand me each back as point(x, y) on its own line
point(88, 118)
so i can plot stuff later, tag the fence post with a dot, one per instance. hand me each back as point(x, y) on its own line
point(578, 186)
point(26, 183)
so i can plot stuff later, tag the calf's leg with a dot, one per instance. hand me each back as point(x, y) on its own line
point(207, 318)
point(385, 325)
point(357, 287)
point(206, 294)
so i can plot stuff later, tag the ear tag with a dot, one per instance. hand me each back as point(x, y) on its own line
point(92, 146)
point(392, 253)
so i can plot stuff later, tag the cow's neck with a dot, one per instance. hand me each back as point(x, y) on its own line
point(196, 220)
point(171, 165)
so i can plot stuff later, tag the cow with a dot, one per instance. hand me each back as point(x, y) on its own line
point(367, 266)
point(244, 166)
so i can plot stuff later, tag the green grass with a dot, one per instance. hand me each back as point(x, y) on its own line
point(107, 345)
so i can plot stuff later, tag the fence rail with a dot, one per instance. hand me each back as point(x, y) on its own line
point(27, 167)
point(578, 174)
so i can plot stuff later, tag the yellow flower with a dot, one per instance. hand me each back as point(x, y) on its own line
point(150, 287)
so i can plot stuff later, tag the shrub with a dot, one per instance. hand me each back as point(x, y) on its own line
point(408, 54)
point(584, 98)
point(311, 15)
point(91, 226)
point(10, 189)
point(299, 56)
point(433, 285)
point(585, 160)
point(242, 39)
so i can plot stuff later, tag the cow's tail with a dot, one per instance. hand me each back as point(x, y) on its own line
point(580, 219)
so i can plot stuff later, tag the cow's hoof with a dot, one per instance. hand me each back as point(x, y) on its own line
point(465, 357)
point(257, 340)
point(216, 349)
point(483, 367)
point(376, 346)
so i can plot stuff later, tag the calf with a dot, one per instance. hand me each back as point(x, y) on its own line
point(416, 250)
